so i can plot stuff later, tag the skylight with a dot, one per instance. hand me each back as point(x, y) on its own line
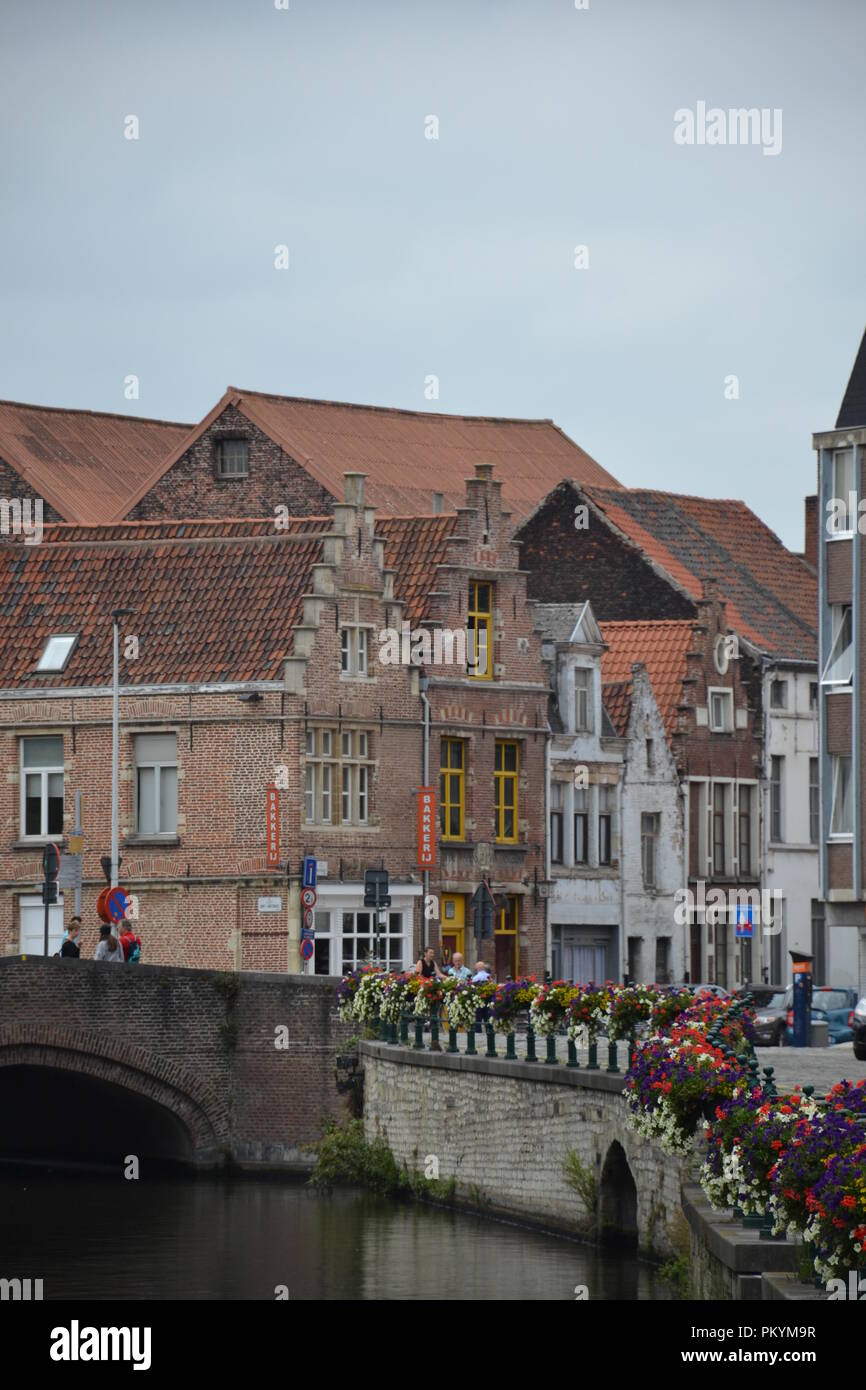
point(58, 650)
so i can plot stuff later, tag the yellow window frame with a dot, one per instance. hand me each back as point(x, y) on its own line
point(505, 785)
point(452, 784)
point(479, 619)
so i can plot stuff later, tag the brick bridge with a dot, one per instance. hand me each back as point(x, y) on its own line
point(506, 1131)
point(164, 1063)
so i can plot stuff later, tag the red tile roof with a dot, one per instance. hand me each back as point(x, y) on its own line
point(771, 594)
point(406, 454)
point(616, 698)
point(214, 600)
point(83, 462)
point(662, 647)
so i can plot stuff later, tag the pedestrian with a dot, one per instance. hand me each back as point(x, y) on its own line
point(457, 969)
point(70, 946)
point(426, 966)
point(131, 945)
point(108, 948)
point(481, 973)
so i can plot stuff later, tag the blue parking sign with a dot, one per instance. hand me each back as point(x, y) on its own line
point(310, 872)
point(743, 929)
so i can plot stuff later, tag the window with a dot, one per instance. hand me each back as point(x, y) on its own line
point(779, 694)
point(605, 819)
point(337, 788)
point(840, 663)
point(353, 651)
point(57, 651)
point(721, 711)
point(452, 788)
point(813, 694)
point(776, 826)
point(814, 802)
point(720, 838)
point(556, 822)
point(745, 829)
point(505, 786)
point(843, 517)
point(156, 784)
point(650, 754)
point(582, 700)
point(41, 787)
point(819, 944)
point(581, 828)
point(480, 628)
point(841, 816)
point(364, 940)
point(663, 960)
point(649, 830)
point(232, 458)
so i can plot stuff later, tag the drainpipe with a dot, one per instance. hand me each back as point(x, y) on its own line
point(623, 936)
point(425, 774)
point(683, 796)
point(548, 944)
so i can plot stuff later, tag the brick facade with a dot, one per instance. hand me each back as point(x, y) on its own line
point(192, 487)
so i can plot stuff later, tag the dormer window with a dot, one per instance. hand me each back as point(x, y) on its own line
point(56, 652)
point(582, 700)
point(480, 631)
point(232, 458)
point(353, 651)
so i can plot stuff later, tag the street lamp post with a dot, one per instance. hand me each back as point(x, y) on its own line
point(117, 614)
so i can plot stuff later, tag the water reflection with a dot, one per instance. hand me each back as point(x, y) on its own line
point(91, 1235)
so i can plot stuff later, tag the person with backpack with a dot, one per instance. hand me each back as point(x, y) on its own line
point(131, 945)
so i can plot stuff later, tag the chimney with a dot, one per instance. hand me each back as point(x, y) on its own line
point(484, 471)
point(354, 489)
point(810, 544)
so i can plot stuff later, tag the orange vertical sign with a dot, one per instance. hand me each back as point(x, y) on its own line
point(273, 821)
point(426, 827)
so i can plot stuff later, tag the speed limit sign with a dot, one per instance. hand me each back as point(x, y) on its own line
point(308, 897)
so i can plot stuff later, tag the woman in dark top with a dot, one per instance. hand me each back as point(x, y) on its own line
point(70, 946)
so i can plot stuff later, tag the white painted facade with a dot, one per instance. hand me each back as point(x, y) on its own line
point(790, 831)
point(656, 945)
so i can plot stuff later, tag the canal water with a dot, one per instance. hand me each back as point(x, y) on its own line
point(94, 1236)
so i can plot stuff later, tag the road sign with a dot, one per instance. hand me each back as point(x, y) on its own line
point(309, 897)
point(117, 904)
point(270, 905)
point(76, 844)
point(309, 872)
point(308, 919)
point(51, 861)
point(101, 905)
point(743, 927)
point(307, 949)
point(70, 871)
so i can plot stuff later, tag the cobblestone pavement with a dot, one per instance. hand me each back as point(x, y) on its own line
point(820, 1067)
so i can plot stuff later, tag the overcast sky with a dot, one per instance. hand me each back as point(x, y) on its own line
point(411, 257)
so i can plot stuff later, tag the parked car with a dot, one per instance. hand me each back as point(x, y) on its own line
point(858, 1030)
point(771, 1019)
point(760, 994)
point(835, 1006)
point(712, 989)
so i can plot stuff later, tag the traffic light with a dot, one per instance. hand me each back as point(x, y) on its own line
point(376, 888)
point(50, 868)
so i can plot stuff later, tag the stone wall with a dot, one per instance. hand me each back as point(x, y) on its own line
point(503, 1131)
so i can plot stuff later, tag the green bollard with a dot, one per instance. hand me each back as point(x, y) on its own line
point(385, 1031)
point(551, 1049)
point(404, 1028)
point(452, 1040)
point(470, 1043)
point(592, 1064)
point(491, 1041)
point(392, 1033)
point(510, 1054)
point(418, 1044)
point(434, 1034)
point(572, 1054)
point(530, 1043)
point(611, 1057)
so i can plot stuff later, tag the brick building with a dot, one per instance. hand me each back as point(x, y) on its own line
point(253, 453)
point(252, 660)
point(642, 555)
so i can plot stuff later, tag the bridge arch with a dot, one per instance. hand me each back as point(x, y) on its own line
point(134, 1070)
point(617, 1199)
